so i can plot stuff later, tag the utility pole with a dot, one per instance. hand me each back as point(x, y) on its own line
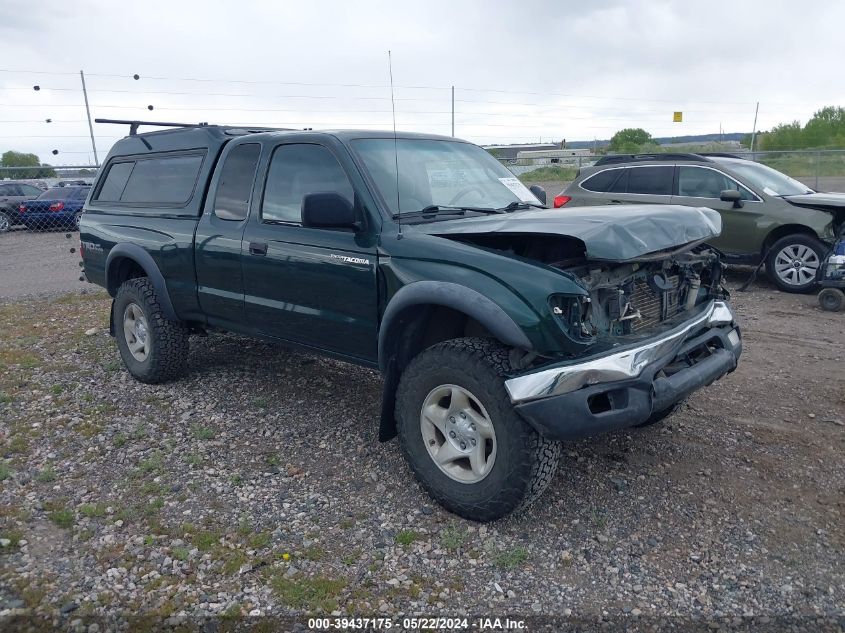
point(88, 112)
point(453, 111)
point(754, 129)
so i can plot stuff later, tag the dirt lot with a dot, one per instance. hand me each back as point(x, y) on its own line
point(256, 485)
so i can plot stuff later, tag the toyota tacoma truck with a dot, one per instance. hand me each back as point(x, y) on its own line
point(501, 328)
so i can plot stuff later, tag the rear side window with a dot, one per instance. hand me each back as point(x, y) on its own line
point(602, 181)
point(653, 181)
point(164, 180)
point(233, 191)
point(115, 182)
point(295, 171)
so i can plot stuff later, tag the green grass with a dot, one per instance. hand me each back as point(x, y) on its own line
point(46, 475)
point(152, 464)
point(549, 173)
point(453, 537)
point(119, 440)
point(204, 541)
point(511, 558)
point(63, 518)
point(311, 594)
point(93, 510)
point(259, 540)
point(14, 536)
point(406, 537)
point(180, 553)
point(203, 433)
point(5, 470)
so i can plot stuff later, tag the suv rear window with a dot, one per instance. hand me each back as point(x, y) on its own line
point(167, 180)
point(602, 181)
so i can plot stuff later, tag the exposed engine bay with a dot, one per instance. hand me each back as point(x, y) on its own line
point(625, 298)
point(634, 297)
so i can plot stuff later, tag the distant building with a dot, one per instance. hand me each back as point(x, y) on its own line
point(511, 151)
point(549, 156)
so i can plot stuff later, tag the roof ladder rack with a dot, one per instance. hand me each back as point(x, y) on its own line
point(133, 125)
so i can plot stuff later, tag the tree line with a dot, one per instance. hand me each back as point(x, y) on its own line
point(21, 159)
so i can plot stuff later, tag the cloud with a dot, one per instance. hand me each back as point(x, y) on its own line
point(522, 71)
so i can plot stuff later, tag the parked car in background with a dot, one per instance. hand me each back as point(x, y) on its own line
point(59, 207)
point(766, 215)
point(12, 194)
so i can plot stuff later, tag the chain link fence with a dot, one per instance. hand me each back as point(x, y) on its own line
point(43, 198)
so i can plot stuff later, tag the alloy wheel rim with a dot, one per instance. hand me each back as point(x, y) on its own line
point(458, 433)
point(4, 223)
point(136, 332)
point(797, 264)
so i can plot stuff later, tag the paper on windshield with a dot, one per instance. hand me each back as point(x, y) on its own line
point(521, 191)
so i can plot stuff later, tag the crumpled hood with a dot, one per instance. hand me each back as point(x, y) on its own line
point(613, 232)
point(818, 200)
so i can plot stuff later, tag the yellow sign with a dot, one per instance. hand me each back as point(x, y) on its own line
point(678, 117)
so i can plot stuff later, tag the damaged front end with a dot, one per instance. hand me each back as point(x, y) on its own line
point(632, 298)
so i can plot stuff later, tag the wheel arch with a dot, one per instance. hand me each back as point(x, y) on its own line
point(424, 313)
point(127, 261)
point(785, 230)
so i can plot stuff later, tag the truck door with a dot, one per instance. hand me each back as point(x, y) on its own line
point(311, 286)
point(219, 235)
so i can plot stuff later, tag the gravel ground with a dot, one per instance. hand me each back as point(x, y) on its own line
point(39, 263)
point(256, 486)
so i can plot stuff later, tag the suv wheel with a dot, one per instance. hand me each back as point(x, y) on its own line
point(153, 348)
point(793, 262)
point(463, 439)
point(5, 223)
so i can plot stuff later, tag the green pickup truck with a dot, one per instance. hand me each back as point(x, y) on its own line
point(501, 327)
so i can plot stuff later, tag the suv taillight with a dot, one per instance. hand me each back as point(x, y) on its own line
point(21, 209)
point(57, 206)
point(561, 200)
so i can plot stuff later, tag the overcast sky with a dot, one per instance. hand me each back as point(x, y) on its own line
point(522, 71)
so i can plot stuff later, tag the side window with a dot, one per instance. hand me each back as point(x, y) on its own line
point(698, 182)
point(295, 171)
point(4, 190)
point(602, 181)
point(231, 201)
point(165, 180)
point(29, 190)
point(653, 181)
point(621, 183)
point(115, 181)
point(12, 190)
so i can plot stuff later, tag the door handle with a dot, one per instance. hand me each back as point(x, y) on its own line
point(257, 248)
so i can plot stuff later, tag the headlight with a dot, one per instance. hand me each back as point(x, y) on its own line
point(572, 314)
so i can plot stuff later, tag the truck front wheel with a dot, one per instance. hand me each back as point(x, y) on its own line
point(153, 348)
point(463, 439)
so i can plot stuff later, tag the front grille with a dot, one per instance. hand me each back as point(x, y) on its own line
point(653, 305)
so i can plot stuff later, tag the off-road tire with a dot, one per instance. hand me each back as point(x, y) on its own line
point(168, 354)
point(797, 239)
point(658, 416)
point(525, 462)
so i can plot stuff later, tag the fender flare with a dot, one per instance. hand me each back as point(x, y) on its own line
point(141, 257)
point(457, 297)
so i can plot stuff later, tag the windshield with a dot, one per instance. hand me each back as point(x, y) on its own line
point(766, 179)
point(64, 193)
point(439, 173)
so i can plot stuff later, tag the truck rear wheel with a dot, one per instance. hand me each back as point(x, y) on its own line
point(153, 348)
point(466, 444)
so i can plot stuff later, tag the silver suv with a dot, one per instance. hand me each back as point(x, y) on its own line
point(766, 215)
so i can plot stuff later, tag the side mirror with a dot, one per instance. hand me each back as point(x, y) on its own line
point(731, 195)
point(539, 192)
point(328, 211)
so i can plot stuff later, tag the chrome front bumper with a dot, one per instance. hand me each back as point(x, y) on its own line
point(625, 364)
